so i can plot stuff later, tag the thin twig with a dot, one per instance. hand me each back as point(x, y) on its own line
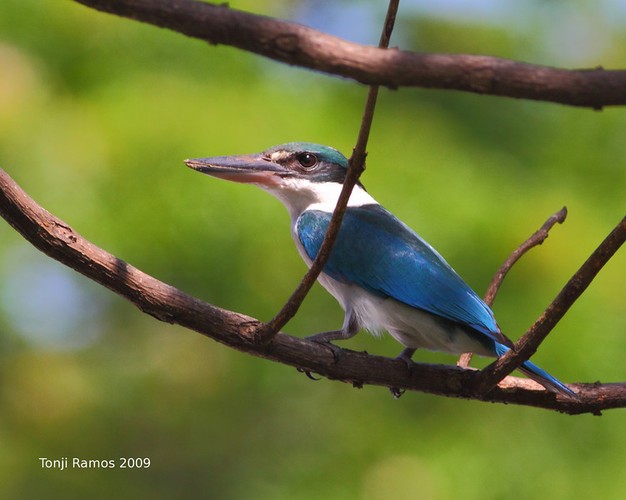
point(356, 166)
point(299, 45)
point(526, 346)
point(464, 360)
point(537, 238)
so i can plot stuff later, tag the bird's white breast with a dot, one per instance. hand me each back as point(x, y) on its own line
point(410, 326)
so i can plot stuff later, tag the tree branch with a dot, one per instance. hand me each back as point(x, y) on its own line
point(299, 45)
point(166, 303)
point(527, 345)
point(356, 167)
point(537, 238)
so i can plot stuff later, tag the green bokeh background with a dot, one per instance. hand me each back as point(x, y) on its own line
point(97, 114)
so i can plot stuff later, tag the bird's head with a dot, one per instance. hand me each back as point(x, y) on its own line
point(288, 164)
point(299, 174)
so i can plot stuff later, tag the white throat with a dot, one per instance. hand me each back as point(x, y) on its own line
point(299, 195)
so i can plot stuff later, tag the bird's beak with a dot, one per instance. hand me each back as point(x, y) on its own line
point(251, 169)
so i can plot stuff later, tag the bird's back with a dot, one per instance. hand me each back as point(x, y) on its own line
point(377, 252)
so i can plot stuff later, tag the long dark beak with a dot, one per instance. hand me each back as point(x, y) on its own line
point(253, 169)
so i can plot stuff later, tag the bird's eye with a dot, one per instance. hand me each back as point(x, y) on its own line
point(307, 160)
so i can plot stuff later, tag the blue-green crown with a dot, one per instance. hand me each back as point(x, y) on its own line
point(324, 153)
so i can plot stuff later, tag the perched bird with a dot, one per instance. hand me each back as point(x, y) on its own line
point(382, 273)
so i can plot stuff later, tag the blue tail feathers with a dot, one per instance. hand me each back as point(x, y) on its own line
point(538, 375)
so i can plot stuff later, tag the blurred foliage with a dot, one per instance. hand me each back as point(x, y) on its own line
point(97, 114)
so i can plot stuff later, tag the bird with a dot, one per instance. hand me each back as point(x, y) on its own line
point(382, 273)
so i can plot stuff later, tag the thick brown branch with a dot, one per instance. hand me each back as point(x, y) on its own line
point(299, 45)
point(164, 302)
point(526, 346)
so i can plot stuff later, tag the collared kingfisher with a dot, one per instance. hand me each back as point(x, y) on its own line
point(384, 275)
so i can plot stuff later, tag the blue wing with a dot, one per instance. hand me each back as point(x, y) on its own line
point(378, 252)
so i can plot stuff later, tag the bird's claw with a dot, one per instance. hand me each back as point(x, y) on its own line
point(309, 374)
point(396, 392)
point(405, 356)
point(336, 351)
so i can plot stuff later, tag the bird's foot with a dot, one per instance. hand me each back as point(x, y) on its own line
point(322, 339)
point(406, 356)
